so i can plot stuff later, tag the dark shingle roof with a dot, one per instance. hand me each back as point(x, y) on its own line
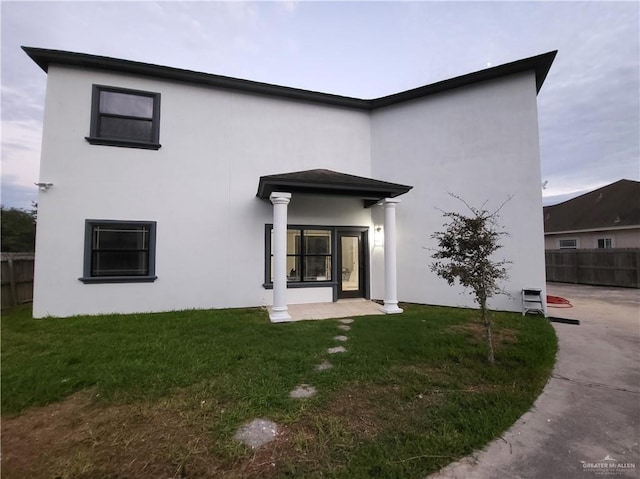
point(540, 65)
point(612, 206)
point(329, 182)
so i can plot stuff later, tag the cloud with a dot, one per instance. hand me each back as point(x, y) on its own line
point(289, 6)
point(590, 104)
point(19, 103)
point(21, 140)
point(17, 196)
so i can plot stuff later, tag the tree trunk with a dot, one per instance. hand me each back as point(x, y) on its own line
point(486, 321)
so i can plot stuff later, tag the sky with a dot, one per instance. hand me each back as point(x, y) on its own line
point(589, 106)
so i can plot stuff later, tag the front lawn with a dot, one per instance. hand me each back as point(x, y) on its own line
point(161, 395)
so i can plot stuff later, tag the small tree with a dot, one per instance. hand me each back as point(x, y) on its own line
point(18, 230)
point(464, 253)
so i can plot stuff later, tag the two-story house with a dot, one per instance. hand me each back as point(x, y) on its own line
point(165, 189)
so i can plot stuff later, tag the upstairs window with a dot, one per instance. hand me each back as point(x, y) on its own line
point(128, 118)
point(119, 251)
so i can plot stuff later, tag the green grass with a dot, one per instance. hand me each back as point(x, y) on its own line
point(413, 392)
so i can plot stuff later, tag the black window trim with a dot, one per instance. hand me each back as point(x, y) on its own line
point(268, 284)
point(88, 229)
point(95, 139)
point(334, 284)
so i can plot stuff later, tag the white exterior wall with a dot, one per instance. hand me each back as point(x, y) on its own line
point(479, 142)
point(200, 188)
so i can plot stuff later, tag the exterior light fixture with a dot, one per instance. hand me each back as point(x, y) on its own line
point(378, 235)
point(44, 186)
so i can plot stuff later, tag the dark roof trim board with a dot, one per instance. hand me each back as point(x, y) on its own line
point(540, 64)
point(44, 58)
point(592, 230)
point(329, 182)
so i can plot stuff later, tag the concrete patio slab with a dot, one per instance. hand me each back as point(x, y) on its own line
point(340, 309)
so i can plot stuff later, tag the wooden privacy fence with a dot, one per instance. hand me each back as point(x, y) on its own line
point(602, 267)
point(17, 278)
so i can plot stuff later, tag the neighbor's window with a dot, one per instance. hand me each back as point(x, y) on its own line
point(122, 117)
point(119, 251)
point(308, 255)
point(568, 244)
point(605, 243)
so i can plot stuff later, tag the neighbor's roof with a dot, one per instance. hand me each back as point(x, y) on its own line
point(44, 58)
point(329, 182)
point(613, 206)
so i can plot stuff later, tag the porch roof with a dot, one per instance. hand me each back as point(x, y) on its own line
point(327, 182)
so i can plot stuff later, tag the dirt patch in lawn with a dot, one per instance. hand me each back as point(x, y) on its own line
point(366, 410)
point(179, 436)
point(357, 410)
point(82, 439)
point(475, 330)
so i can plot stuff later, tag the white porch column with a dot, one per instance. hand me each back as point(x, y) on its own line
point(390, 273)
point(279, 311)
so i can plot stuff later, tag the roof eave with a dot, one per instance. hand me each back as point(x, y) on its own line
point(44, 58)
point(540, 64)
point(593, 230)
point(266, 187)
point(330, 183)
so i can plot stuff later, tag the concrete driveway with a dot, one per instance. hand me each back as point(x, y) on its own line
point(586, 423)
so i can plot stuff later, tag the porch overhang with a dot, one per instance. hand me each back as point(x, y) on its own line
point(333, 183)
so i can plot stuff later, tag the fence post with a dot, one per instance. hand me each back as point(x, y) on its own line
point(17, 278)
point(12, 281)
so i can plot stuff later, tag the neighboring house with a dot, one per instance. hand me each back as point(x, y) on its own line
point(608, 217)
point(165, 189)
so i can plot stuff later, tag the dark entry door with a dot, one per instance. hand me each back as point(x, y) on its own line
point(351, 264)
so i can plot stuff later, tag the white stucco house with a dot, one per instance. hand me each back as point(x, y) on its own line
point(165, 189)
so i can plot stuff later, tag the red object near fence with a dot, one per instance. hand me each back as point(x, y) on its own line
point(558, 302)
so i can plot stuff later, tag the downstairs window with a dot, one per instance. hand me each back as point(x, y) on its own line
point(568, 244)
point(119, 251)
point(309, 254)
point(605, 243)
